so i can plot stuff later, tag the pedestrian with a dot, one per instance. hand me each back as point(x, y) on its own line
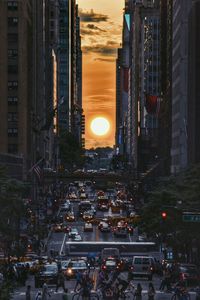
point(45, 292)
point(60, 281)
point(138, 292)
point(151, 292)
point(38, 296)
point(79, 277)
point(28, 292)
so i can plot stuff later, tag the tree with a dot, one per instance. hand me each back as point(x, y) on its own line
point(174, 195)
point(12, 210)
point(71, 152)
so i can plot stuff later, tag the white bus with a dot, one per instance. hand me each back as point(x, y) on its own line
point(125, 248)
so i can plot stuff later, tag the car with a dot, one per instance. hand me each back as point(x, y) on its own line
point(69, 217)
point(143, 266)
point(88, 227)
point(75, 265)
point(103, 206)
point(110, 264)
point(121, 229)
point(88, 215)
point(73, 231)
point(115, 208)
point(47, 273)
point(83, 195)
point(75, 238)
point(57, 228)
point(72, 196)
point(104, 227)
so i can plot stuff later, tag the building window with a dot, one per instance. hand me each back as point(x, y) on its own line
point(12, 117)
point(12, 85)
point(12, 148)
point(13, 22)
point(12, 37)
point(12, 53)
point(13, 131)
point(12, 5)
point(12, 69)
point(12, 100)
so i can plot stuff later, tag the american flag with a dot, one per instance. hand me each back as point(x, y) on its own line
point(38, 169)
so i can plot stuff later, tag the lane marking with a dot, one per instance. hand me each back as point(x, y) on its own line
point(63, 244)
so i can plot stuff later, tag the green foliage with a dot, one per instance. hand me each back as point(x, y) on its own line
point(173, 195)
point(71, 152)
point(12, 209)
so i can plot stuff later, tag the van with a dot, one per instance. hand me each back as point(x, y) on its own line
point(110, 252)
point(142, 266)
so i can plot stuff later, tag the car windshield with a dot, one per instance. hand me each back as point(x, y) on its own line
point(77, 264)
point(50, 268)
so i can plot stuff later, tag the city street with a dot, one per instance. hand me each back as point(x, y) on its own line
point(58, 241)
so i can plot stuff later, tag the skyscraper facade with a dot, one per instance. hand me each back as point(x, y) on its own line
point(193, 105)
point(179, 155)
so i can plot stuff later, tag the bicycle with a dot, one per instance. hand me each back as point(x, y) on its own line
point(126, 294)
point(180, 294)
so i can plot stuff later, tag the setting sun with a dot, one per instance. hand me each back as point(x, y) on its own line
point(100, 126)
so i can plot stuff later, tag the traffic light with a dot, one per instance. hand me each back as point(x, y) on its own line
point(164, 215)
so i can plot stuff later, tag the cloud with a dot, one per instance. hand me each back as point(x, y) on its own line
point(105, 59)
point(94, 27)
point(91, 29)
point(91, 16)
point(110, 48)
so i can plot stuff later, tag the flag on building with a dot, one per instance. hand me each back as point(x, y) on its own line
point(37, 168)
point(152, 104)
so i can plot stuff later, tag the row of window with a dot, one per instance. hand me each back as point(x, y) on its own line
point(12, 53)
point(12, 148)
point(12, 85)
point(12, 21)
point(12, 5)
point(12, 117)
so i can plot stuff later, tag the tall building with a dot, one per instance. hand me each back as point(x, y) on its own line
point(193, 105)
point(119, 135)
point(70, 69)
point(15, 80)
point(179, 155)
point(165, 113)
point(28, 60)
point(122, 84)
point(149, 82)
point(65, 54)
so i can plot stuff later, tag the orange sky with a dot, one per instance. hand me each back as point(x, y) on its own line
point(101, 25)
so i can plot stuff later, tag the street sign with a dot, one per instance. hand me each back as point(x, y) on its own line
point(191, 217)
